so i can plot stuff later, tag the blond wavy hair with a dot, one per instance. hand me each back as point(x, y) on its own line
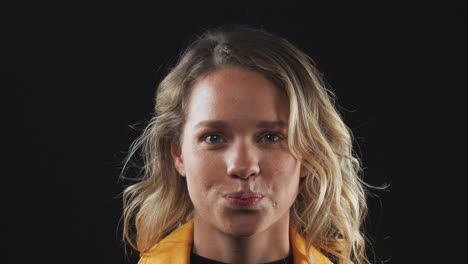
point(331, 204)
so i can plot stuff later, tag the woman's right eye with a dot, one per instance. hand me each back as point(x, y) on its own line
point(212, 139)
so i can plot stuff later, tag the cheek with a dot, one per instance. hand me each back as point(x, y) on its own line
point(284, 166)
point(202, 173)
point(285, 175)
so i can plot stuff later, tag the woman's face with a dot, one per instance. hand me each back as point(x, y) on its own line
point(240, 174)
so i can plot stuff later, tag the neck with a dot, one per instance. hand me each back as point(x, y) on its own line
point(265, 246)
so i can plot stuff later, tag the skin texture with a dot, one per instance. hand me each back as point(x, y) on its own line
point(238, 157)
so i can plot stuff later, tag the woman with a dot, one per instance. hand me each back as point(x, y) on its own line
point(246, 160)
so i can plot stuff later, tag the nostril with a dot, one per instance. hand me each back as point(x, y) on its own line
point(244, 173)
point(242, 161)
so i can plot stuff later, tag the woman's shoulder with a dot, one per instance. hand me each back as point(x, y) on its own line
point(174, 248)
point(298, 244)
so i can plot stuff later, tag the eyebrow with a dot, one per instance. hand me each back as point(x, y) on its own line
point(222, 124)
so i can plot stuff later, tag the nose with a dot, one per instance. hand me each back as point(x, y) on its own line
point(242, 161)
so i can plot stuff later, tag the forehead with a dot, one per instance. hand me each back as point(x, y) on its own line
point(238, 97)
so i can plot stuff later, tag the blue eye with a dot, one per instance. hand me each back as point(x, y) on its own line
point(216, 139)
point(212, 139)
point(271, 137)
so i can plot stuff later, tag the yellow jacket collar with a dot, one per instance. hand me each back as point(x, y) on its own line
point(176, 248)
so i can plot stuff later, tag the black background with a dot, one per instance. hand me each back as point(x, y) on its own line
point(84, 74)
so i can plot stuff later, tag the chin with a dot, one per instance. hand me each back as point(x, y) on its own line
point(243, 225)
point(242, 233)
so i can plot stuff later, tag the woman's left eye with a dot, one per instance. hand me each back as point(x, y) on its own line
point(271, 137)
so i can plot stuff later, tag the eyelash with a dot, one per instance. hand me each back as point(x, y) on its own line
point(203, 139)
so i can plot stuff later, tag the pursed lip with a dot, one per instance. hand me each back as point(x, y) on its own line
point(243, 195)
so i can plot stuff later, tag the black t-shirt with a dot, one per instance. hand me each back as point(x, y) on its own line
point(196, 259)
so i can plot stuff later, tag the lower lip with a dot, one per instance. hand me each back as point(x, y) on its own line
point(249, 202)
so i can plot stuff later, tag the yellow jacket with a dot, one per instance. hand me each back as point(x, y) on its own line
point(176, 248)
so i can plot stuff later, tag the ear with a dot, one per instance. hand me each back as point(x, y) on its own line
point(303, 172)
point(176, 154)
